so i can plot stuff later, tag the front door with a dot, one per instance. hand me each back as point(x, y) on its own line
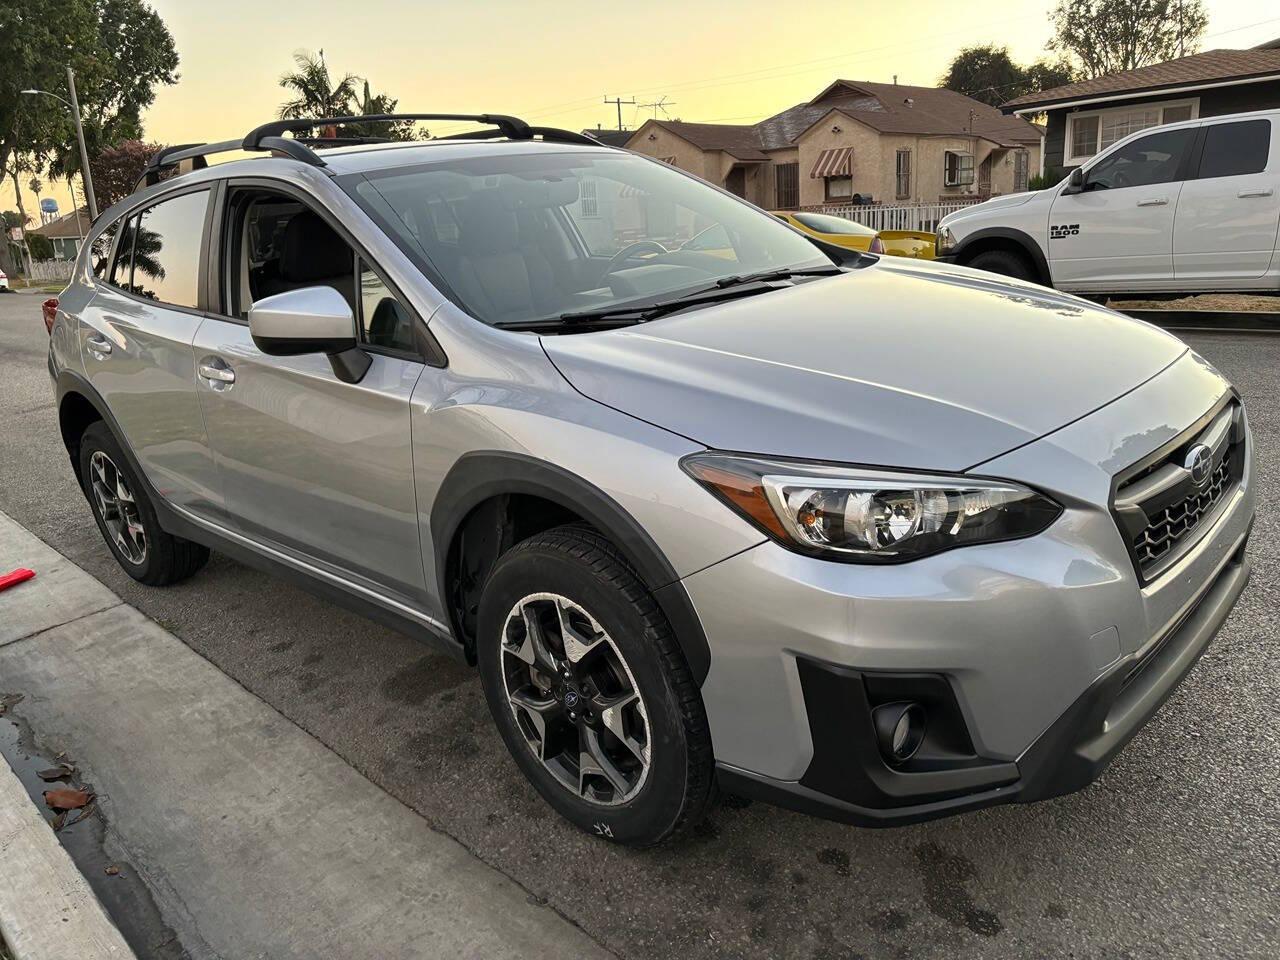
point(1117, 232)
point(984, 176)
point(316, 468)
point(1228, 213)
point(136, 344)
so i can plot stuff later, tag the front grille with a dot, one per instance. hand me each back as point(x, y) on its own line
point(1161, 510)
point(1176, 522)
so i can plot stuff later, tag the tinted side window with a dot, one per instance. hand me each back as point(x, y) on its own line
point(166, 255)
point(1145, 161)
point(123, 263)
point(101, 251)
point(1234, 149)
point(383, 319)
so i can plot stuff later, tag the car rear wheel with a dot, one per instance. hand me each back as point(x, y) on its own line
point(590, 690)
point(1003, 262)
point(126, 517)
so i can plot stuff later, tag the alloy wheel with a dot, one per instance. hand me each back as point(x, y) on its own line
point(116, 506)
point(575, 700)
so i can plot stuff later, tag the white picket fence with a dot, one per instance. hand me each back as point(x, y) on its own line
point(907, 216)
point(51, 270)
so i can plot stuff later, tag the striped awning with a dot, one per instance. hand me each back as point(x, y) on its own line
point(833, 163)
point(632, 191)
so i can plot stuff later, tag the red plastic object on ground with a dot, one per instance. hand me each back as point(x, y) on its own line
point(16, 577)
point(50, 308)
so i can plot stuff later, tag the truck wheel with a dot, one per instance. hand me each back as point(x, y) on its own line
point(590, 690)
point(125, 517)
point(1003, 262)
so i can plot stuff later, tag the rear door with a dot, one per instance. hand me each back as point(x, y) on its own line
point(1117, 232)
point(135, 340)
point(1225, 230)
point(314, 468)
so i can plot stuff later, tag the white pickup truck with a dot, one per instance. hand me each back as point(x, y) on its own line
point(1189, 207)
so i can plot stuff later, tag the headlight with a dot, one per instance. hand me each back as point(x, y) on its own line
point(945, 240)
point(870, 516)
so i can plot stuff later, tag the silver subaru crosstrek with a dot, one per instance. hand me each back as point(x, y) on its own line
point(877, 539)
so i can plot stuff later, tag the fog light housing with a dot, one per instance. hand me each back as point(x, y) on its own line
point(900, 729)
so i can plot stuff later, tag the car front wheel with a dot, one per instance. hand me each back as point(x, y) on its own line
point(590, 691)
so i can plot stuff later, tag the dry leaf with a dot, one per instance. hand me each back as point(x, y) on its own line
point(58, 820)
point(112, 871)
point(56, 773)
point(88, 810)
point(66, 798)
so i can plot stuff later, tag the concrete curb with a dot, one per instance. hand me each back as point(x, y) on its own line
point(47, 909)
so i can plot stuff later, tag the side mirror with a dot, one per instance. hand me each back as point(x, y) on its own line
point(1075, 182)
point(310, 320)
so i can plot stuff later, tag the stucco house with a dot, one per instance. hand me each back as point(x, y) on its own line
point(65, 233)
point(1086, 117)
point(857, 141)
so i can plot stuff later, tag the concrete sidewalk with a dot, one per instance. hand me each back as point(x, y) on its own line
point(255, 839)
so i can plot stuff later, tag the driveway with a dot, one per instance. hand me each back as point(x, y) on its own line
point(1172, 854)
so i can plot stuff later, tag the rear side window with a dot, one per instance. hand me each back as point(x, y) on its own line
point(1235, 149)
point(166, 251)
point(100, 251)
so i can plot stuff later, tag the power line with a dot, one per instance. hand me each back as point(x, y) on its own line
point(618, 102)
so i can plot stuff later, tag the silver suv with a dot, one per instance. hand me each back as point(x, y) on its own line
point(877, 539)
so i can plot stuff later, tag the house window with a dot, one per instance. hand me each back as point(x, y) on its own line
point(1092, 132)
point(839, 188)
point(902, 177)
point(1021, 170)
point(587, 200)
point(788, 185)
point(957, 170)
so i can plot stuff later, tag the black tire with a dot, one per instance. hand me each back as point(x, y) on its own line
point(584, 568)
point(1004, 262)
point(165, 558)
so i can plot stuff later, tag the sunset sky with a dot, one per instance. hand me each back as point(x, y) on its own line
point(554, 62)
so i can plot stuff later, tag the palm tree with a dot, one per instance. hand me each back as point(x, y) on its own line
point(373, 105)
point(316, 94)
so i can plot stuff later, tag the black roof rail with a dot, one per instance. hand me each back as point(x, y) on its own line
point(269, 137)
point(512, 127)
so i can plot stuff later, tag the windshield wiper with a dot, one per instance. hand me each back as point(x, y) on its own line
point(726, 288)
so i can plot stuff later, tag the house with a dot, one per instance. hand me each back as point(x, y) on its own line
point(612, 138)
point(856, 142)
point(1086, 117)
point(66, 233)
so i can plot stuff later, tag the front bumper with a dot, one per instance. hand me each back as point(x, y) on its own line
point(1050, 652)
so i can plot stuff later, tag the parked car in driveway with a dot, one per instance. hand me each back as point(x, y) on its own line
point(875, 538)
point(1190, 207)
point(4, 280)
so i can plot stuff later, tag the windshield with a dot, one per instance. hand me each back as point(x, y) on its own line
point(825, 223)
point(518, 238)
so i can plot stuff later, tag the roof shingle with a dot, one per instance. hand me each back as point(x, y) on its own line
point(885, 107)
point(1208, 67)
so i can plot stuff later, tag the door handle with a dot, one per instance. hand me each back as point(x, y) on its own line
point(1153, 202)
point(98, 345)
point(215, 372)
point(1259, 192)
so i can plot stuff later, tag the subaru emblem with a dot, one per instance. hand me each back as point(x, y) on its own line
point(1199, 464)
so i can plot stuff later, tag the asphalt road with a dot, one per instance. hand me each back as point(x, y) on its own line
point(1173, 853)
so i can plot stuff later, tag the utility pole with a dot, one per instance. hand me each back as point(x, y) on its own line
point(84, 154)
point(618, 102)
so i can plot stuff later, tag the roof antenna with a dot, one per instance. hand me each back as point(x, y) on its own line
point(895, 79)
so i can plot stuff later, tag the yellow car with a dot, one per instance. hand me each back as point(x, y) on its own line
point(854, 236)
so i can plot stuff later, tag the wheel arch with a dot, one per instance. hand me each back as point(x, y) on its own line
point(483, 501)
point(1005, 238)
point(79, 405)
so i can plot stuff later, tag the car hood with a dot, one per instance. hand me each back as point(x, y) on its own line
point(902, 363)
point(995, 203)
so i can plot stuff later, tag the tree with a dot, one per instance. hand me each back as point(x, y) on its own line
point(115, 170)
point(315, 94)
point(370, 105)
point(137, 54)
point(988, 73)
point(1106, 36)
